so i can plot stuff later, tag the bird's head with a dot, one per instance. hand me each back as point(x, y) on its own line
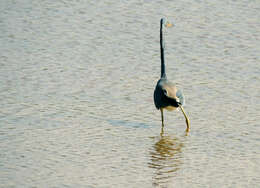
point(166, 23)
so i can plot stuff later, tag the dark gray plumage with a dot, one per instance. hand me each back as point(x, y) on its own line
point(166, 94)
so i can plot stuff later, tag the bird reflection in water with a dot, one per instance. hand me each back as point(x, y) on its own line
point(166, 158)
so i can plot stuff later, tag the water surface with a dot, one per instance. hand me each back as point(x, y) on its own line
point(76, 94)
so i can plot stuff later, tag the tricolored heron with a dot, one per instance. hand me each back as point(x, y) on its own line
point(166, 94)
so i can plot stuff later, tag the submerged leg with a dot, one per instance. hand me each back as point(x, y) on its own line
point(187, 119)
point(162, 117)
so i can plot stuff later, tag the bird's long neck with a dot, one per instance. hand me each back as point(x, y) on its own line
point(163, 74)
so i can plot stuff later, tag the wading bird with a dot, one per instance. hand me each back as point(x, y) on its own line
point(166, 94)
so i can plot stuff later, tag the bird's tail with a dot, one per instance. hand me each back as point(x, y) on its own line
point(180, 96)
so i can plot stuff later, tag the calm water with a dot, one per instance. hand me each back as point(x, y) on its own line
point(76, 94)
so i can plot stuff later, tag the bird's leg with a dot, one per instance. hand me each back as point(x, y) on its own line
point(162, 117)
point(162, 131)
point(187, 119)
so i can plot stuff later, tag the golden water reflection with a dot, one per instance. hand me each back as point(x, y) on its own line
point(165, 158)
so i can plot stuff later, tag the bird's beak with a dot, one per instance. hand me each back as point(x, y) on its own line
point(168, 24)
point(187, 119)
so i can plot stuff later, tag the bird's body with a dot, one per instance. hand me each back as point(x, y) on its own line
point(166, 94)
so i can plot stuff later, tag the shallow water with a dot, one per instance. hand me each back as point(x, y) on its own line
point(76, 94)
